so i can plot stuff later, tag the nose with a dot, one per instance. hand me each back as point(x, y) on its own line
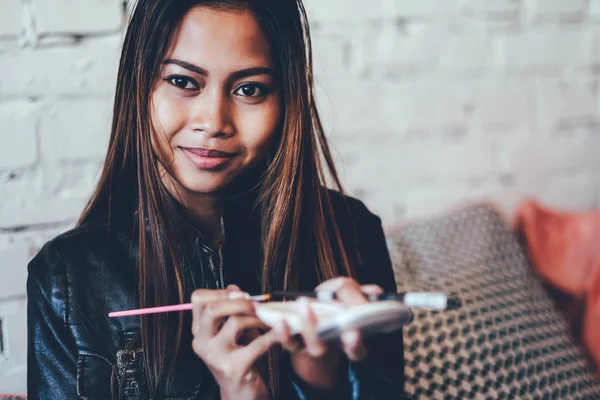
point(212, 114)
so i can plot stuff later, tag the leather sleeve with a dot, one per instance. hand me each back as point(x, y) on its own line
point(381, 375)
point(51, 353)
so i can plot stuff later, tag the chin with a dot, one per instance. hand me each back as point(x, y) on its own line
point(218, 182)
point(204, 187)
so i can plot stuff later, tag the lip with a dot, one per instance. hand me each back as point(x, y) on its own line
point(207, 159)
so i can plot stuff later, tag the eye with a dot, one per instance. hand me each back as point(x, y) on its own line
point(183, 82)
point(251, 90)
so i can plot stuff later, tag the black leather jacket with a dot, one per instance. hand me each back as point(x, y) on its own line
point(77, 278)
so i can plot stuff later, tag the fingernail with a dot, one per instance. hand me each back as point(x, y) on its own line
point(371, 289)
point(303, 307)
point(238, 295)
point(279, 328)
point(233, 288)
point(350, 338)
point(332, 284)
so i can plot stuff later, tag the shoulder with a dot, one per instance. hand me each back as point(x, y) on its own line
point(49, 259)
point(363, 233)
point(51, 270)
point(351, 212)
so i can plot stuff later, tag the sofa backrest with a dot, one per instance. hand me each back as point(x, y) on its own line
point(507, 340)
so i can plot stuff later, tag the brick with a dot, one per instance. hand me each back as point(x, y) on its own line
point(339, 10)
point(331, 52)
point(8, 45)
point(434, 199)
point(11, 18)
point(594, 40)
point(499, 191)
point(374, 163)
point(15, 382)
point(399, 204)
point(393, 52)
point(556, 9)
point(14, 362)
point(542, 50)
point(14, 258)
point(72, 179)
point(465, 52)
point(421, 8)
point(78, 16)
point(340, 113)
point(32, 239)
point(502, 106)
point(438, 108)
point(28, 212)
point(75, 129)
point(575, 191)
point(566, 107)
point(29, 204)
point(490, 9)
point(87, 68)
point(412, 109)
point(18, 120)
point(538, 159)
point(594, 9)
point(387, 204)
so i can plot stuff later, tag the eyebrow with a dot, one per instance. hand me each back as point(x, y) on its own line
point(234, 76)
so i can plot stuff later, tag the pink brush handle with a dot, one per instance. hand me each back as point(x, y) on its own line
point(183, 307)
point(153, 310)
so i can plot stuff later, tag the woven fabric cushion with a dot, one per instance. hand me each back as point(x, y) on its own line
point(507, 341)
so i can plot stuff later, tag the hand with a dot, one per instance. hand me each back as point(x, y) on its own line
point(220, 319)
point(314, 361)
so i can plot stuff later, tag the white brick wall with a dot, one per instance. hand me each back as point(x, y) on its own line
point(18, 120)
point(78, 17)
point(557, 9)
point(429, 103)
point(87, 68)
point(10, 18)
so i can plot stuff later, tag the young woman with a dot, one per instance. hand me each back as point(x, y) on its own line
point(213, 187)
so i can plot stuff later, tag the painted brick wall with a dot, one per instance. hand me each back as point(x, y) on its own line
point(429, 103)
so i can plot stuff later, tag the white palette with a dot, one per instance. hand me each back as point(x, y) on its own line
point(334, 318)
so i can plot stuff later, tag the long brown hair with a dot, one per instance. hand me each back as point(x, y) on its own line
point(298, 224)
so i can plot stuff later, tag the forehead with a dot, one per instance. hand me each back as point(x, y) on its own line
point(221, 40)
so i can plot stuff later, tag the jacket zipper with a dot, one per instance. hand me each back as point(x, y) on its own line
point(128, 363)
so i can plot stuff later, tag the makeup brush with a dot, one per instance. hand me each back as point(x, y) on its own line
point(176, 307)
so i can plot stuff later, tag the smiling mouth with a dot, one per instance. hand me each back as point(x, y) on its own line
point(208, 159)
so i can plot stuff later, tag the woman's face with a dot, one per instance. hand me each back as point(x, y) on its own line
point(216, 105)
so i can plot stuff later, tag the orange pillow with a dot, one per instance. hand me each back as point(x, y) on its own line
point(564, 248)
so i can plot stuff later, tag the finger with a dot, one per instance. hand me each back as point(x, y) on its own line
point(214, 313)
point(200, 299)
point(236, 326)
point(286, 339)
point(313, 345)
point(248, 355)
point(331, 285)
point(349, 293)
point(353, 345)
point(372, 292)
point(233, 288)
point(347, 290)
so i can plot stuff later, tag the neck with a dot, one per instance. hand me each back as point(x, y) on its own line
point(206, 210)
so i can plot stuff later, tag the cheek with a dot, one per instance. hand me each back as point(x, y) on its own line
point(262, 128)
point(168, 118)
